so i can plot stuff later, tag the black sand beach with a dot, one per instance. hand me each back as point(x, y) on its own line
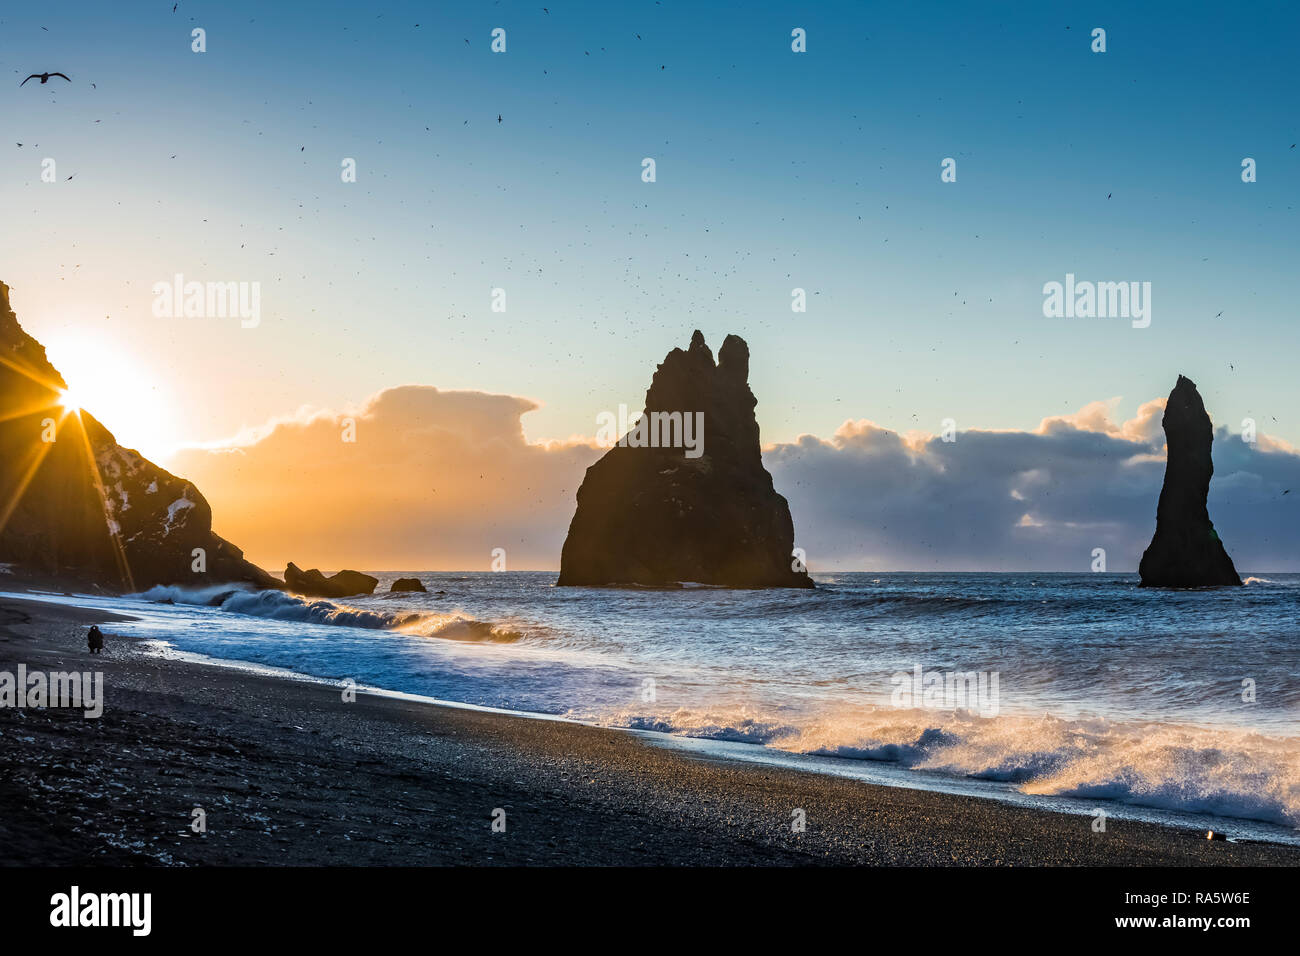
point(289, 774)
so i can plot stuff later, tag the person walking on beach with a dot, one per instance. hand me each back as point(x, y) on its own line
point(95, 639)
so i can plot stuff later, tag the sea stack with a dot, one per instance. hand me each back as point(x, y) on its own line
point(76, 506)
point(1186, 551)
point(683, 496)
point(406, 585)
point(314, 584)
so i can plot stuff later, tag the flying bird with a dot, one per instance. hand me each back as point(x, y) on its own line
point(44, 77)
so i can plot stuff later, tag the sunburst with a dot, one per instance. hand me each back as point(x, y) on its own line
point(70, 400)
point(64, 407)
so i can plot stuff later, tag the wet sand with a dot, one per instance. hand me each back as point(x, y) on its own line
point(287, 773)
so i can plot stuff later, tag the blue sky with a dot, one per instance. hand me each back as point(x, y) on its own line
point(775, 170)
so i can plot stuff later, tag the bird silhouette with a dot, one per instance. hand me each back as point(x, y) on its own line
point(44, 78)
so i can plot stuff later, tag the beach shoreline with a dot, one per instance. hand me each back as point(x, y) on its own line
point(286, 772)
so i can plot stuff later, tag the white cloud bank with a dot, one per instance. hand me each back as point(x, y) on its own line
point(438, 479)
point(1012, 500)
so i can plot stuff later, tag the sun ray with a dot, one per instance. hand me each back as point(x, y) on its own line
point(29, 410)
point(55, 385)
point(25, 481)
point(69, 409)
point(114, 533)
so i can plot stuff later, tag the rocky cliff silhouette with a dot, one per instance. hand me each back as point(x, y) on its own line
point(1186, 551)
point(658, 516)
point(82, 508)
point(343, 584)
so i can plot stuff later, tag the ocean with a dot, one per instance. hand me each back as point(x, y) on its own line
point(1075, 692)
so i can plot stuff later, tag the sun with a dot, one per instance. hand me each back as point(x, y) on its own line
point(70, 401)
point(105, 382)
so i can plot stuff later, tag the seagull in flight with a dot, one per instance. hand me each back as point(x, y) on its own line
point(45, 78)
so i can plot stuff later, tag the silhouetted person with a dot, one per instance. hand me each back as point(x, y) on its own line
point(95, 639)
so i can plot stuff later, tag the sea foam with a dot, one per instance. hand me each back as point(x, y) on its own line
point(1223, 772)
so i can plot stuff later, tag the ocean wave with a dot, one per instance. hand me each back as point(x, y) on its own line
point(925, 605)
point(457, 628)
point(735, 728)
point(828, 602)
point(1188, 768)
point(280, 606)
point(212, 595)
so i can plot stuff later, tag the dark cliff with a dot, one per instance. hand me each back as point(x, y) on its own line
point(314, 584)
point(77, 506)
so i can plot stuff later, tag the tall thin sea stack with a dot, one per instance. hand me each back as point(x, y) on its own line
point(1186, 551)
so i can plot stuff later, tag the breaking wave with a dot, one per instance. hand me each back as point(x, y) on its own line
point(280, 606)
point(1187, 768)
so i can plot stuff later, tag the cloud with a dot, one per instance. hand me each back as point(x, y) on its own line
point(1011, 500)
point(437, 479)
point(434, 479)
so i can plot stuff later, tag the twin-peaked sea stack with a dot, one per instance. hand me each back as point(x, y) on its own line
point(76, 506)
point(1186, 551)
point(683, 496)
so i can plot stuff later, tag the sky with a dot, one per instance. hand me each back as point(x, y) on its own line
point(775, 170)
